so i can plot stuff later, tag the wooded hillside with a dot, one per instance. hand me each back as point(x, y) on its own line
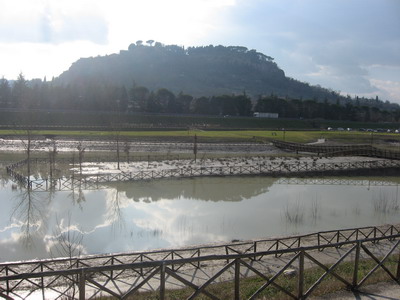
point(198, 71)
point(217, 81)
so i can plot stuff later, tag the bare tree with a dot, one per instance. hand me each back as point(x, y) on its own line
point(116, 127)
point(52, 158)
point(195, 147)
point(127, 149)
point(28, 144)
point(117, 138)
point(81, 152)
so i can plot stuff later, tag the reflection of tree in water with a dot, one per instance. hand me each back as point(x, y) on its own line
point(114, 212)
point(204, 188)
point(67, 242)
point(67, 239)
point(77, 195)
point(30, 210)
point(4, 179)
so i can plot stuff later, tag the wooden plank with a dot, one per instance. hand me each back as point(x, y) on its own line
point(237, 279)
point(300, 283)
point(82, 290)
point(379, 263)
point(356, 264)
point(328, 271)
point(209, 281)
point(270, 281)
point(188, 283)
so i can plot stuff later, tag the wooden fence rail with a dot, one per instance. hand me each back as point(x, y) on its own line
point(269, 168)
point(320, 238)
point(126, 278)
point(339, 150)
point(335, 181)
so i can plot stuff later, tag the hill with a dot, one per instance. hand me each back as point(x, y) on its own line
point(198, 71)
point(202, 81)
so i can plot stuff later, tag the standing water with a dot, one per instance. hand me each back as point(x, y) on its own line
point(132, 216)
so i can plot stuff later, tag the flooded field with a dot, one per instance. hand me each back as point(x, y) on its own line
point(132, 216)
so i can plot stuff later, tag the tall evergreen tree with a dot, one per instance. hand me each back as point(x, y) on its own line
point(5, 93)
point(20, 92)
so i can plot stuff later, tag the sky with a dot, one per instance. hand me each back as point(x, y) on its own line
point(349, 46)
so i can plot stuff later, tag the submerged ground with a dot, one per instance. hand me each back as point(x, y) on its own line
point(173, 213)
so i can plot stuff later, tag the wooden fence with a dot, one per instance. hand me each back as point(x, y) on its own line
point(124, 275)
point(335, 181)
point(339, 150)
point(268, 168)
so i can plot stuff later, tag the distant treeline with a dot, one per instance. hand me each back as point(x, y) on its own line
point(47, 95)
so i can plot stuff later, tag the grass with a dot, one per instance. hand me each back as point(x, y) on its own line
point(82, 119)
point(353, 137)
point(385, 203)
point(248, 286)
point(294, 214)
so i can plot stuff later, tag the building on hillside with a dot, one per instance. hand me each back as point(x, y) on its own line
point(266, 115)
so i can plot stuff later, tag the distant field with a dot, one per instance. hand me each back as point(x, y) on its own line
point(219, 135)
point(182, 128)
point(74, 120)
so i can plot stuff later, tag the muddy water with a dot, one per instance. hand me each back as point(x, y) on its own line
point(173, 213)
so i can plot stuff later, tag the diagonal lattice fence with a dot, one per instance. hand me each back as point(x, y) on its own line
point(338, 150)
point(311, 260)
point(268, 169)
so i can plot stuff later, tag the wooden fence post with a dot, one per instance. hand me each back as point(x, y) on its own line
point(237, 278)
point(356, 263)
point(8, 282)
point(319, 241)
point(398, 270)
point(198, 255)
point(227, 253)
point(112, 272)
point(162, 282)
point(172, 257)
point(301, 275)
point(82, 286)
point(42, 281)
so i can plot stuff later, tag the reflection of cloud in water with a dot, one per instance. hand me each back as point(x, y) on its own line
point(204, 188)
point(11, 249)
point(120, 220)
point(159, 224)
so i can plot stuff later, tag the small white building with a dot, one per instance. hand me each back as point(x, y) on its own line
point(266, 115)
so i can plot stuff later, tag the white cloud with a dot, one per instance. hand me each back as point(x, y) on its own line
point(36, 60)
point(329, 43)
point(51, 22)
point(175, 21)
point(391, 88)
point(43, 37)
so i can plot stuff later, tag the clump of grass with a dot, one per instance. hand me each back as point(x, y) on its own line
point(356, 209)
point(385, 204)
point(294, 214)
point(315, 209)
